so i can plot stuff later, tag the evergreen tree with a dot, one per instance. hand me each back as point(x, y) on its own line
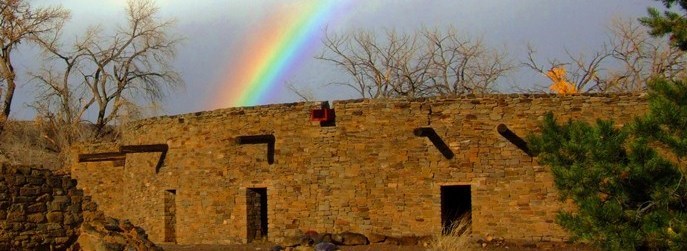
point(628, 183)
point(669, 22)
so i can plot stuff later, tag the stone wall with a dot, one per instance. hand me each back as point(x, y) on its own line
point(368, 172)
point(39, 210)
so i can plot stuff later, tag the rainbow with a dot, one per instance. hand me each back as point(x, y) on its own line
point(275, 48)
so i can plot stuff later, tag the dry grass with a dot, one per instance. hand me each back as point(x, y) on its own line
point(458, 238)
point(22, 143)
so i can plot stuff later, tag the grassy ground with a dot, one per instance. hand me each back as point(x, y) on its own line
point(22, 143)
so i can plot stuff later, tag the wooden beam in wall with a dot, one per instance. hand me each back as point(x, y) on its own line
point(120, 157)
point(255, 139)
point(151, 148)
point(144, 148)
point(268, 139)
point(435, 139)
point(99, 157)
point(514, 139)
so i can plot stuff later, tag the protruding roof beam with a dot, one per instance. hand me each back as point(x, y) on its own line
point(514, 139)
point(435, 139)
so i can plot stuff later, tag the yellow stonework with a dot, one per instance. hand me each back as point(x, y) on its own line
point(367, 173)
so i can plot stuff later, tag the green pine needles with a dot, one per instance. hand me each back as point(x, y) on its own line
point(669, 22)
point(628, 183)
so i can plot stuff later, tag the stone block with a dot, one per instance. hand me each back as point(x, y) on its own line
point(54, 181)
point(23, 199)
point(57, 206)
point(44, 198)
point(36, 218)
point(16, 216)
point(35, 180)
point(4, 205)
point(55, 217)
point(19, 180)
point(36, 207)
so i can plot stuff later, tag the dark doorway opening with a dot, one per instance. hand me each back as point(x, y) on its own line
point(456, 207)
point(170, 215)
point(256, 209)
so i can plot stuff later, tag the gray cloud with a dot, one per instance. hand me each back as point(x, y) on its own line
point(214, 27)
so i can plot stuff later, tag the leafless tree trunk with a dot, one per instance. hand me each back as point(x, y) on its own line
point(108, 75)
point(21, 23)
point(424, 63)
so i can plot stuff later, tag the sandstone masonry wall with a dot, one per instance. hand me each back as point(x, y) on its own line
point(39, 210)
point(368, 173)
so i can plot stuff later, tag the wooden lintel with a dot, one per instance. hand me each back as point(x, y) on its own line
point(99, 157)
point(152, 148)
point(268, 139)
point(255, 139)
point(143, 148)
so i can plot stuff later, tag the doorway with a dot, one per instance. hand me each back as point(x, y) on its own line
point(170, 215)
point(256, 209)
point(456, 207)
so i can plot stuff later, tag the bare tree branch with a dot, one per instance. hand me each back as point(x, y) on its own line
point(424, 63)
point(625, 63)
point(21, 23)
point(108, 75)
point(303, 93)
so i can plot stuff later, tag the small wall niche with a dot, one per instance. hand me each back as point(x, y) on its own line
point(325, 115)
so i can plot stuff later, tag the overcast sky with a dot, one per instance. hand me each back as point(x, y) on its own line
point(215, 28)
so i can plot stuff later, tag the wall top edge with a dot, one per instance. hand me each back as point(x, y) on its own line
point(308, 105)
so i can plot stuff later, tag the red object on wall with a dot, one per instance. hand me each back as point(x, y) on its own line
point(322, 115)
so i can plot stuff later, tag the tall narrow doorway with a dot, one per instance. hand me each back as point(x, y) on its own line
point(256, 209)
point(170, 216)
point(456, 205)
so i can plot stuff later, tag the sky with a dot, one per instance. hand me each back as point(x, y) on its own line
point(217, 62)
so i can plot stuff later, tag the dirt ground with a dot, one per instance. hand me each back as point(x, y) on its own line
point(375, 247)
point(267, 247)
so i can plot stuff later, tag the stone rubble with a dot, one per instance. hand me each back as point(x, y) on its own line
point(40, 210)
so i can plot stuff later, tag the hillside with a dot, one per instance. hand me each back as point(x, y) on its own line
point(23, 143)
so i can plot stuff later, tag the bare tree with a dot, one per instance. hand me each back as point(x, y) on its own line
point(642, 56)
point(21, 23)
point(584, 73)
point(461, 66)
point(304, 93)
point(424, 63)
point(370, 63)
point(107, 75)
point(624, 64)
